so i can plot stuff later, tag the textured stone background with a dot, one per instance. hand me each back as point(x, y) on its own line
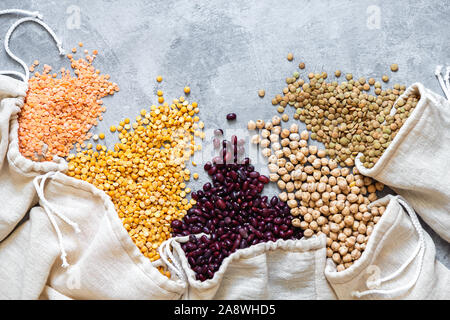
point(227, 50)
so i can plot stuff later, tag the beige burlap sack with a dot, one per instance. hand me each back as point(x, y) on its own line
point(417, 162)
point(80, 221)
point(285, 269)
point(399, 261)
point(17, 194)
point(72, 246)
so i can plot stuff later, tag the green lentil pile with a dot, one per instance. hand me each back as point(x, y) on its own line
point(345, 117)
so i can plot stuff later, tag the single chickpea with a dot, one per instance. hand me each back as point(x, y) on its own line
point(296, 222)
point(304, 135)
point(329, 253)
point(308, 217)
point(304, 225)
point(260, 124)
point(276, 120)
point(336, 257)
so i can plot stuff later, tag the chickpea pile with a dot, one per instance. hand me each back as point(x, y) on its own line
point(344, 116)
point(145, 174)
point(322, 197)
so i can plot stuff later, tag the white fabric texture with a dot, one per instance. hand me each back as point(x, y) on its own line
point(399, 261)
point(285, 269)
point(416, 165)
point(104, 261)
point(17, 194)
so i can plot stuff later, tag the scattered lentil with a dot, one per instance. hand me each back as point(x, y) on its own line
point(344, 117)
point(394, 67)
point(59, 112)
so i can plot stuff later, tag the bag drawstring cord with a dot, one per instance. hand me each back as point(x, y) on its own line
point(39, 184)
point(447, 79)
point(165, 253)
point(444, 82)
point(420, 249)
point(35, 14)
point(10, 31)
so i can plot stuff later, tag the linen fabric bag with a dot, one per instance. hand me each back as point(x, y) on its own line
point(74, 223)
point(79, 220)
point(17, 193)
point(416, 165)
point(399, 261)
point(285, 269)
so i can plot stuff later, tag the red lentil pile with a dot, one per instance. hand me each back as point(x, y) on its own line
point(59, 112)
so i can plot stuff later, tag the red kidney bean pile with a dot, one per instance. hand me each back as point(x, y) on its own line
point(233, 213)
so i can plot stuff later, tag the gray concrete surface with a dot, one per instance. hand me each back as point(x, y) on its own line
point(227, 50)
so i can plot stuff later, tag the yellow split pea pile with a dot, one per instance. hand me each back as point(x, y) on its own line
point(323, 198)
point(58, 112)
point(145, 174)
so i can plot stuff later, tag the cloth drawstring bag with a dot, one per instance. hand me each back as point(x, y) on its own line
point(285, 269)
point(76, 218)
point(17, 194)
point(416, 164)
point(399, 261)
point(73, 245)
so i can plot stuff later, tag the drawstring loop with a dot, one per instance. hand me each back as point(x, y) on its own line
point(165, 253)
point(420, 250)
point(10, 31)
point(445, 84)
point(35, 14)
point(447, 79)
point(39, 184)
